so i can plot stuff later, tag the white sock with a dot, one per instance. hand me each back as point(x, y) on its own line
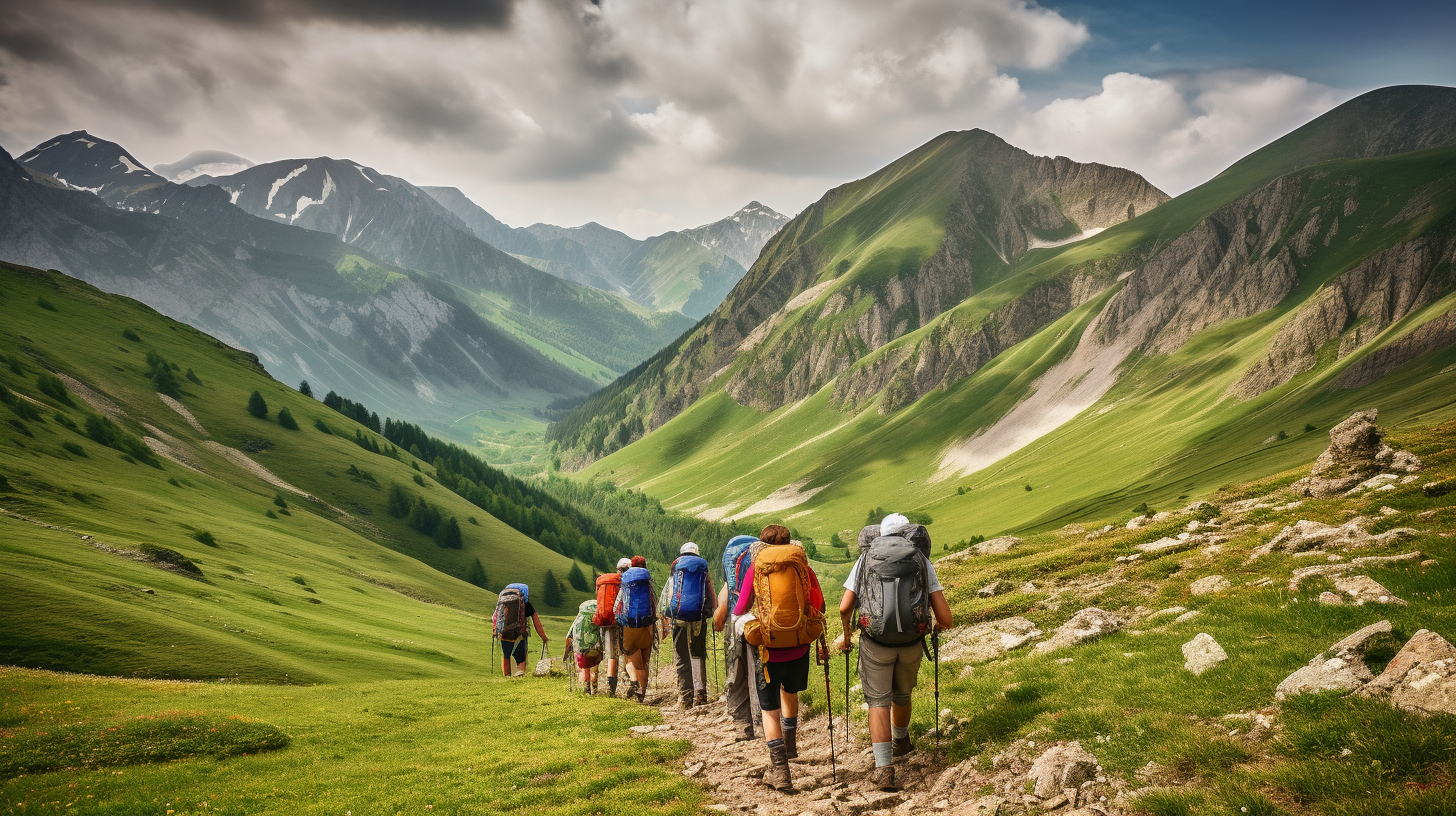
point(900, 733)
point(883, 756)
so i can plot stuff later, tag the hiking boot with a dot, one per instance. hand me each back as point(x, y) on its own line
point(900, 746)
point(700, 697)
point(745, 732)
point(883, 779)
point(612, 686)
point(791, 743)
point(641, 696)
point(685, 699)
point(631, 689)
point(776, 776)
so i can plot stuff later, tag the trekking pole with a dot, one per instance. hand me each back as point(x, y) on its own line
point(824, 659)
point(935, 642)
point(848, 715)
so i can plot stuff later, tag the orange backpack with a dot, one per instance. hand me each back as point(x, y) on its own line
point(608, 586)
point(781, 600)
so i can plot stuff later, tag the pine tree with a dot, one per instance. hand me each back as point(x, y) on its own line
point(577, 578)
point(476, 574)
point(304, 389)
point(285, 418)
point(399, 503)
point(257, 406)
point(449, 535)
point(551, 593)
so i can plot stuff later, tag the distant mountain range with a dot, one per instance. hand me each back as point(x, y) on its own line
point(988, 336)
point(310, 306)
point(688, 270)
point(334, 272)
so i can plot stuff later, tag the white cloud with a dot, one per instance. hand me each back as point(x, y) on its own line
point(1176, 131)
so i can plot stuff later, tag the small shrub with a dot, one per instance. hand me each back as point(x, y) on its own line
point(193, 378)
point(257, 406)
point(270, 514)
point(1281, 435)
point(169, 557)
point(45, 304)
point(962, 490)
point(73, 449)
point(473, 520)
point(64, 421)
point(204, 537)
point(323, 428)
point(131, 335)
point(285, 418)
point(1028, 488)
point(280, 502)
point(51, 386)
point(16, 367)
point(1308, 428)
point(419, 480)
point(304, 389)
point(298, 579)
point(172, 480)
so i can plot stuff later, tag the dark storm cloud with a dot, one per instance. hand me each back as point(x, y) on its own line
point(585, 149)
point(444, 14)
point(425, 106)
point(28, 41)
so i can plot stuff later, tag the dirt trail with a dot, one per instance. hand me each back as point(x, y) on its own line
point(242, 460)
point(98, 403)
point(164, 444)
point(732, 771)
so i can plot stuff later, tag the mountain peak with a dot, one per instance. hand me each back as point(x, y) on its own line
point(85, 162)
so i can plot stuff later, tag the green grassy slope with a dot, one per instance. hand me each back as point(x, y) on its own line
point(1168, 431)
point(336, 589)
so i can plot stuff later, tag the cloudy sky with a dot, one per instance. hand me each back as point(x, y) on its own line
point(649, 115)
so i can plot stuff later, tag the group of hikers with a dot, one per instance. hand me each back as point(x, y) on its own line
point(772, 610)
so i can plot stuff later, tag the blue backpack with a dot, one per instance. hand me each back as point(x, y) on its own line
point(637, 610)
point(735, 564)
point(689, 589)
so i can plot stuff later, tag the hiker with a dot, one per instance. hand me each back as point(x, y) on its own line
point(585, 639)
point(788, 616)
point(900, 601)
point(635, 611)
point(686, 604)
point(512, 609)
point(738, 665)
point(609, 586)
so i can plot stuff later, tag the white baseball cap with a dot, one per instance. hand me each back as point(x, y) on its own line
point(689, 547)
point(624, 564)
point(893, 524)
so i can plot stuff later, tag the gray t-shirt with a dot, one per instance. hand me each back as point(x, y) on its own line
point(932, 583)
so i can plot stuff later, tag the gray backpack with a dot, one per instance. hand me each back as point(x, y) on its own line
point(894, 601)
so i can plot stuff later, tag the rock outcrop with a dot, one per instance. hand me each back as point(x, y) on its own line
point(1339, 668)
point(985, 641)
point(1357, 451)
point(1061, 767)
point(1087, 624)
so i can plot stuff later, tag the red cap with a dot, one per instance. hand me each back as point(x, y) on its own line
point(639, 561)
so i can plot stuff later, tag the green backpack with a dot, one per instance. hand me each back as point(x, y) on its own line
point(589, 635)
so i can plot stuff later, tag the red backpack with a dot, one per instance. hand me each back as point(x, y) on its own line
point(608, 586)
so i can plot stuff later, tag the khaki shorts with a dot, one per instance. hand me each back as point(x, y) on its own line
point(611, 642)
point(888, 673)
point(636, 639)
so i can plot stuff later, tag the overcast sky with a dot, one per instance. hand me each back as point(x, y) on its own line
point(649, 115)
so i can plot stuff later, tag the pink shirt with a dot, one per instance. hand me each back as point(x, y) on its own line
point(745, 603)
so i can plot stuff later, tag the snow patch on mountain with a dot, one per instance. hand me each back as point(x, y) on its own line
point(304, 202)
point(280, 182)
point(131, 166)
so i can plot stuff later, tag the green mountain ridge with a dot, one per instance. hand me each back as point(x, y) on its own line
point(1168, 354)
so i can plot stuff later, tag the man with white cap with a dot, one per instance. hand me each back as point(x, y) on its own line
point(899, 599)
point(688, 603)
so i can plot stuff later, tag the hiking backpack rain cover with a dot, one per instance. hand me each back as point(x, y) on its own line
point(736, 558)
point(689, 589)
point(608, 586)
point(638, 609)
point(588, 636)
point(784, 618)
point(894, 604)
point(509, 621)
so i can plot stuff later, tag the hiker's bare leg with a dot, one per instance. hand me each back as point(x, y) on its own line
point(880, 723)
point(900, 715)
point(521, 667)
point(506, 666)
point(790, 702)
point(773, 727)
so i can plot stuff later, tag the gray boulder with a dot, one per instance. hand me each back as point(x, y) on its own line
point(998, 546)
point(1061, 767)
point(1202, 653)
point(1357, 451)
point(1209, 585)
point(1339, 668)
point(1422, 677)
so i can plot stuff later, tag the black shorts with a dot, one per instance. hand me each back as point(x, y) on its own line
point(791, 676)
point(516, 651)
